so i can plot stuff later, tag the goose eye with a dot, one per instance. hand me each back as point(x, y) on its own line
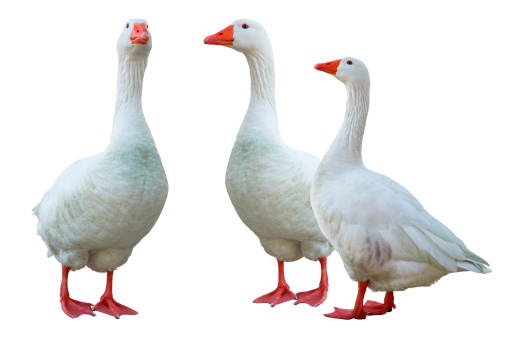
point(349, 62)
point(127, 25)
point(245, 26)
point(146, 25)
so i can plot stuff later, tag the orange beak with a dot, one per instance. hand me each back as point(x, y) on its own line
point(328, 67)
point(223, 38)
point(140, 34)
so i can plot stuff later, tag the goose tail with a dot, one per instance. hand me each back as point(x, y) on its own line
point(472, 265)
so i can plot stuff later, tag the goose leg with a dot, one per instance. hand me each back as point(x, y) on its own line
point(108, 305)
point(316, 296)
point(71, 307)
point(281, 294)
point(357, 312)
point(375, 308)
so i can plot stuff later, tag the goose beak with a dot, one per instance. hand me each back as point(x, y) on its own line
point(223, 38)
point(328, 67)
point(140, 34)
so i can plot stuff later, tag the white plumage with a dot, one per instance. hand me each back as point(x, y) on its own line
point(101, 206)
point(267, 181)
point(383, 234)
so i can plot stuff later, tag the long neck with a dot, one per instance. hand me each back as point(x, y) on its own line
point(261, 118)
point(346, 148)
point(129, 122)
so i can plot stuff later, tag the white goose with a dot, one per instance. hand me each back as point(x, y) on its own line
point(101, 206)
point(267, 181)
point(386, 239)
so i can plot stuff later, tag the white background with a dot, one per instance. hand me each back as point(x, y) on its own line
point(436, 125)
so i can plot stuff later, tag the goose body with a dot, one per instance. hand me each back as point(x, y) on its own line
point(269, 185)
point(385, 237)
point(101, 206)
point(267, 181)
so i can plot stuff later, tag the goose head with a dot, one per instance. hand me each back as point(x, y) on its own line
point(348, 70)
point(135, 39)
point(246, 36)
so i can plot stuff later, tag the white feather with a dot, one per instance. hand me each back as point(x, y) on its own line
point(383, 234)
point(267, 181)
point(101, 206)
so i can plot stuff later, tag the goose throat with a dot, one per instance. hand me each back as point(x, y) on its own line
point(262, 80)
point(350, 137)
point(131, 70)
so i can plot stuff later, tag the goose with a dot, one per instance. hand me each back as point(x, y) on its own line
point(101, 206)
point(386, 239)
point(267, 181)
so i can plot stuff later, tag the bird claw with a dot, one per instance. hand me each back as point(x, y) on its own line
point(74, 308)
point(111, 307)
point(346, 314)
point(313, 297)
point(280, 295)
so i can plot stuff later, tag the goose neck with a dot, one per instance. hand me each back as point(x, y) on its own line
point(262, 79)
point(129, 87)
point(347, 146)
point(261, 112)
point(129, 121)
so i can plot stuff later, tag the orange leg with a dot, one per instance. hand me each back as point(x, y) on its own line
point(281, 294)
point(375, 308)
point(316, 296)
point(71, 307)
point(357, 312)
point(370, 308)
point(108, 305)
